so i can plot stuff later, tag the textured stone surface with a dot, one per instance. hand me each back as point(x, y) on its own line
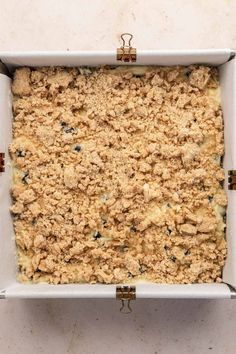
point(96, 326)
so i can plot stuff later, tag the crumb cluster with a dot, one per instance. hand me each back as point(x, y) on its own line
point(117, 175)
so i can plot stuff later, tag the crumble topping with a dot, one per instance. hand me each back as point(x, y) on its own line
point(117, 176)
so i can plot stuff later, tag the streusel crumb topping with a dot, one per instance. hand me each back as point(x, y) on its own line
point(117, 175)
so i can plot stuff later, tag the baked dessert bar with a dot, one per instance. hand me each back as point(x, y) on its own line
point(117, 174)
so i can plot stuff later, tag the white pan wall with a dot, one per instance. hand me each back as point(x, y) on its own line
point(8, 284)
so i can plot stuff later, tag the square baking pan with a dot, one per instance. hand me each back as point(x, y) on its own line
point(9, 286)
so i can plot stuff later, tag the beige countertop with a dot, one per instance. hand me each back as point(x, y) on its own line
point(96, 326)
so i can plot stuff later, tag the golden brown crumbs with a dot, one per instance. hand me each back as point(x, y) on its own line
point(117, 175)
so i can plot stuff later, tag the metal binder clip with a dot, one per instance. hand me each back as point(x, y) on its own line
point(232, 179)
point(126, 53)
point(125, 294)
point(2, 162)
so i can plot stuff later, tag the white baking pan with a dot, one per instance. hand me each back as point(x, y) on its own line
point(9, 287)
